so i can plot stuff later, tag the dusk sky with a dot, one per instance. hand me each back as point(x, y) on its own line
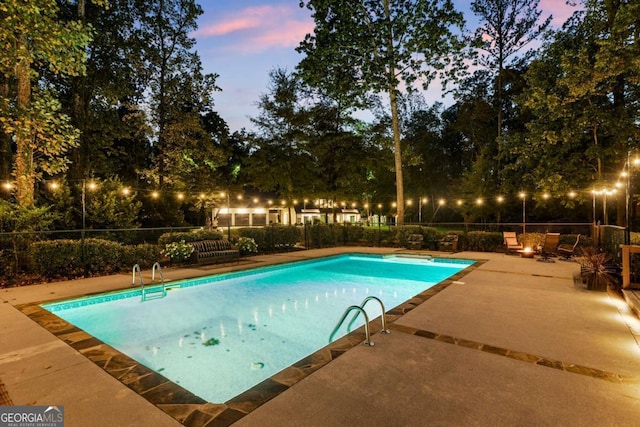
point(242, 40)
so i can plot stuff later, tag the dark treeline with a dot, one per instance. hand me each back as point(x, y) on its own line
point(535, 110)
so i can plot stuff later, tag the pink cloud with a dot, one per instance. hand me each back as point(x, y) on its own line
point(256, 29)
point(289, 33)
point(226, 27)
point(245, 19)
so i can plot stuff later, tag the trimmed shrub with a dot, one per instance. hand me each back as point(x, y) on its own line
point(483, 241)
point(531, 240)
point(145, 255)
point(353, 233)
point(102, 257)
point(189, 236)
point(62, 259)
point(322, 235)
point(273, 237)
point(58, 258)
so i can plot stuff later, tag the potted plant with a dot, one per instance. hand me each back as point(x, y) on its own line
point(597, 270)
point(177, 251)
point(247, 245)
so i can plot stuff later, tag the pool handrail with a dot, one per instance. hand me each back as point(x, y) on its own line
point(349, 309)
point(136, 267)
point(384, 329)
point(155, 267)
point(163, 290)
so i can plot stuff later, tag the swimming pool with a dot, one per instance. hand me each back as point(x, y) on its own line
point(220, 335)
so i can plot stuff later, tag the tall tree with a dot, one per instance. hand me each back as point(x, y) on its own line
point(341, 158)
point(173, 72)
point(367, 46)
point(280, 160)
point(34, 38)
point(507, 27)
point(104, 103)
point(586, 93)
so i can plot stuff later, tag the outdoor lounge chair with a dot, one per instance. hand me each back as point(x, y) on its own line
point(511, 241)
point(549, 247)
point(565, 252)
point(449, 243)
point(415, 241)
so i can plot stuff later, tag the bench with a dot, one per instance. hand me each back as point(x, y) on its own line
point(214, 251)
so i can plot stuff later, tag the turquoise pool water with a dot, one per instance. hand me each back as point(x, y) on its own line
point(221, 335)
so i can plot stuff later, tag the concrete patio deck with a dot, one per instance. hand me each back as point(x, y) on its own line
point(512, 342)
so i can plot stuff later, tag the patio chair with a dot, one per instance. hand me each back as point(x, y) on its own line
point(511, 241)
point(549, 247)
point(449, 243)
point(566, 252)
point(415, 241)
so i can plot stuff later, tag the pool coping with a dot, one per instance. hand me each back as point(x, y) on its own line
point(190, 409)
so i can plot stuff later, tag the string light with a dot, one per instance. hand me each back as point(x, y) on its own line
point(499, 199)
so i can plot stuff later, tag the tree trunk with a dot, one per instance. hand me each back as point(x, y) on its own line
point(23, 167)
point(395, 125)
point(80, 115)
point(5, 139)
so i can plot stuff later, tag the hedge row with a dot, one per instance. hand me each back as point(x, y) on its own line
point(189, 236)
point(64, 259)
point(273, 238)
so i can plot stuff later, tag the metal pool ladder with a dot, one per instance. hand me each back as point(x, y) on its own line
point(155, 291)
point(360, 309)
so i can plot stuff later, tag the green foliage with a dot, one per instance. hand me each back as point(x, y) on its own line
point(34, 39)
point(145, 255)
point(273, 238)
point(382, 43)
point(371, 236)
point(178, 251)
point(21, 221)
point(352, 233)
point(108, 208)
point(324, 235)
point(597, 269)
point(281, 138)
point(583, 95)
point(246, 245)
point(483, 241)
point(364, 46)
point(65, 259)
point(48, 130)
point(49, 42)
point(507, 26)
point(189, 236)
point(178, 93)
